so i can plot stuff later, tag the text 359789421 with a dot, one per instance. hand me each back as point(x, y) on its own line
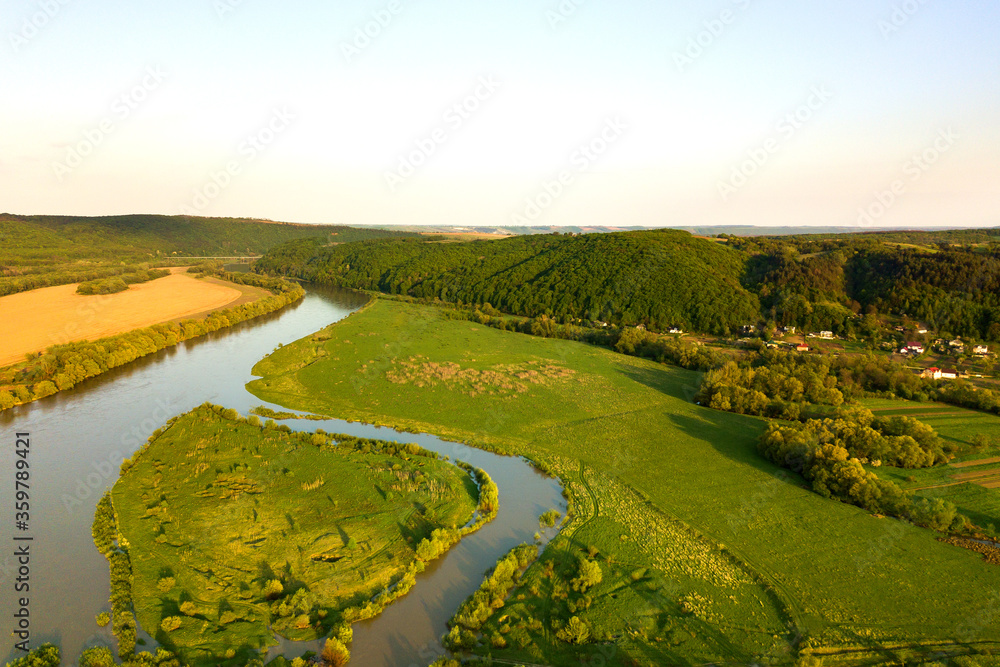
point(22, 541)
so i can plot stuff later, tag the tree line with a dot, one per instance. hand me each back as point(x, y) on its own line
point(120, 283)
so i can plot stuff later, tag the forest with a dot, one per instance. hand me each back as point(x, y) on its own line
point(661, 279)
point(667, 279)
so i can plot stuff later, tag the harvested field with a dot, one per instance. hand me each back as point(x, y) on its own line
point(980, 462)
point(978, 474)
point(55, 315)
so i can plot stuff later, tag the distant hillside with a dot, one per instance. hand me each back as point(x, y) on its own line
point(661, 278)
point(949, 280)
point(48, 240)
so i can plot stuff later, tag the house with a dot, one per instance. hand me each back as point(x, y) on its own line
point(921, 330)
point(949, 374)
point(899, 329)
point(932, 373)
point(826, 334)
point(802, 347)
point(957, 344)
point(675, 330)
point(915, 348)
point(788, 330)
point(980, 349)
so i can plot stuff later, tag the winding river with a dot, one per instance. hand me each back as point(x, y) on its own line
point(79, 437)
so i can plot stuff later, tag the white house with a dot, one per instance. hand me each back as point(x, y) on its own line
point(980, 349)
point(826, 334)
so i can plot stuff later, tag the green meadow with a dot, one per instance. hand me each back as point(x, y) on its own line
point(237, 531)
point(707, 552)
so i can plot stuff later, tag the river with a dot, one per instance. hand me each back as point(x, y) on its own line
point(79, 437)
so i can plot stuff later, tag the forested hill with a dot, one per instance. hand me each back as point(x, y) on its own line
point(660, 278)
point(950, 282)
point(52, 240)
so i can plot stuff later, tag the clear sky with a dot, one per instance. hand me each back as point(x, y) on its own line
point(469, 112)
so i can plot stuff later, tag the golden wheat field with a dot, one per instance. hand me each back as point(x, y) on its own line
point(35, 320)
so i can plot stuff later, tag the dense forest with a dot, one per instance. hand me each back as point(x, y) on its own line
point(660, 278)
point(665, 278)
point(949, 281)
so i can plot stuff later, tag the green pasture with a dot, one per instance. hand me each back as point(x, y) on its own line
point(709, 553)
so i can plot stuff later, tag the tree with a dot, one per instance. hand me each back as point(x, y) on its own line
point(575, 632)
point(589, 575)
point(335, 654)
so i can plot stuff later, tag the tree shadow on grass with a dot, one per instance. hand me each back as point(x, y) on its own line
point(732, 435)
point(670, 380)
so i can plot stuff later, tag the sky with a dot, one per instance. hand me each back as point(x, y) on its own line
point(854, 113)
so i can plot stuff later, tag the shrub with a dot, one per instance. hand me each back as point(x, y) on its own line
point(98, 656)
point(170, 623)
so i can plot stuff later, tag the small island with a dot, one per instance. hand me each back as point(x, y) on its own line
point(236, 530)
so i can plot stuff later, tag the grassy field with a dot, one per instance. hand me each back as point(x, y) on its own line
point(56, 315)
point(236, 531)
point(708, 552)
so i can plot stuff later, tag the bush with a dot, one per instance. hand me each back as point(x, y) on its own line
point(98, 656)
point(170, 623)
